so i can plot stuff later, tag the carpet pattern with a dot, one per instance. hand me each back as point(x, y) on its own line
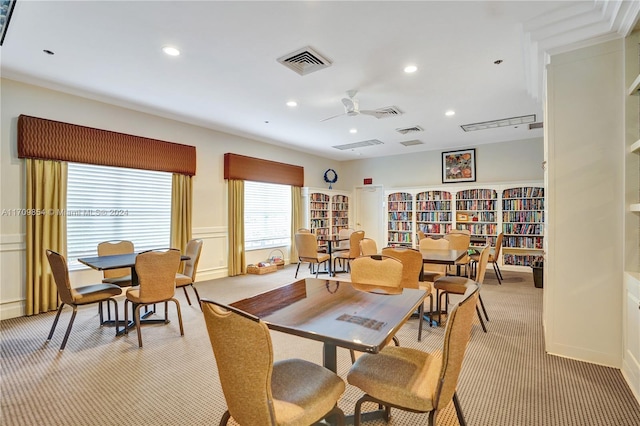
point(100, 379)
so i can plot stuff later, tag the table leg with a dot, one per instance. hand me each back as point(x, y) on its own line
point(329, 250)
point(330, 357)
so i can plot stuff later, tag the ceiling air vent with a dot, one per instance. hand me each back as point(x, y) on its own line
point(385, 112)
point(413, 129)
point(535, 126)
point(304, 61)
point(505, 122)
point(412, 142)
point(358, 144)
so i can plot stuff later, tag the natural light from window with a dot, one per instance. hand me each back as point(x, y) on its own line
point(267, 215)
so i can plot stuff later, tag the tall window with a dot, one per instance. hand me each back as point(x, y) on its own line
point(267, 215)
point(115, 203)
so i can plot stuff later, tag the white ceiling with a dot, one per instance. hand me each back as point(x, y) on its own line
point(227, 77)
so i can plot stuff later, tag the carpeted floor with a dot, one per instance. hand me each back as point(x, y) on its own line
point(100, 379)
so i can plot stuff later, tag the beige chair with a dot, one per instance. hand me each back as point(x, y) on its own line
point(413, 380)
point(458, 285)
point(304, 230)
point(368, 247)
point(259, 391)
point(188, 275)
point(307, 246)
point(121, 276)
point(433, 271)
point(378, 271)
point(494, 255)
point(421, 235)
point(352, 253)
point(343, 236)
point(78, 296)
point(460, 231)
point(411, 265)
point(460, 241)
point(156, 272)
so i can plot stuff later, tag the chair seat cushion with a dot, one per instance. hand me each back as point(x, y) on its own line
point(401, 376)
point(303, 391)
point(431, 276)
point(455, 285)
point(182, 280)
point(476, 257)
point(94, 293)
point(343, 255)
point(124, 281)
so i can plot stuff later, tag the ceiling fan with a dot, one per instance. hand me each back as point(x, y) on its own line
point(351, 108)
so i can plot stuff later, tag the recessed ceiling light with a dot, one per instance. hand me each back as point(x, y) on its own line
point(292, 104)
point(410, 69)
point(171, 51)
point(450, 113)
point(353, 130)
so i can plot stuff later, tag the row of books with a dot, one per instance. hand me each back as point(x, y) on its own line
point(475, 205)
point(400, 226)
point(520, 260)
point(340, 206)
point(523, 216)
point(434, 216)
point(400, 216)
point(479, 228)
point(524, 192)
point(400, 205)
point(319, 214)
point(399, 237)
point(435, 228)
point(522, 242)
point(433, 196)
point(523, 228)
point(523, 204)
point(400, 196)
point(476, 194)
point(319, 206)
point(433, 205)
point(316, 196)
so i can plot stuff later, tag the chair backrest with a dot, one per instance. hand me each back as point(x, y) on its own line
point(108, 248)
point(61, 276)
point(460, 231)
point(194, 248)
point(421, 235)
point(368, 247)
point(377, 270)
point(157, 274)
point(411, 264)
point(483, 261)
point(435, 244)
point(354, 243)
point(307, 246)
point(456, 337)
point(498, 247)
point(344, 235)
point(304, 231)
point(458, 241)
point(244, 355)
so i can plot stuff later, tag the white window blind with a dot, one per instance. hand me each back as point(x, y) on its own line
point(115, 203)
point(267, 215)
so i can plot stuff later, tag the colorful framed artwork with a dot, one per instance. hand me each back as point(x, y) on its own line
point(6, 9)
point(459, 166)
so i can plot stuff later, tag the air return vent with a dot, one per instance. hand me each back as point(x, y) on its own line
point(505, 122)
point(413, 129)
point(304, 61)
point(385, 112)
point(358, 144)
point(412, 142)
point(536, 125)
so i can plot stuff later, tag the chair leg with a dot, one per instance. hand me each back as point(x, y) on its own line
point(420, 319)
point(126, 316)
point(225, 418)
point(317, 270)
point(179, 315)
point(55, 321)
point(136, 316)
point(433, 414)
point(115, 308)
point(66, 335)
point(456, 404)
point(184, 288)
point(297, 269)
point(484, 327)
point(100, 312)
point(496, 269)
point(195, 290)
point(356, 414)
point(338, 416)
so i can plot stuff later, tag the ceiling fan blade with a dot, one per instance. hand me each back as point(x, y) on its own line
point(334, 116)
point(348, 104)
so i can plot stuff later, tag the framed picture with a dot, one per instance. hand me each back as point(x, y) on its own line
point(6, 9)
point(459, 166)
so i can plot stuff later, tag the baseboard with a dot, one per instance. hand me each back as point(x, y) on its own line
point(12, 309)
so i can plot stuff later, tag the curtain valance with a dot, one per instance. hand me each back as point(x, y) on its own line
point(240, 167)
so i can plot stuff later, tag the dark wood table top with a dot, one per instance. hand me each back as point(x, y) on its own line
point(336, 313)
point(442, 257)
point(114, 261)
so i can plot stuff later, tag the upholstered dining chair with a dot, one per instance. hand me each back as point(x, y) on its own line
point(121, 276)
point(156, 272)
point(307, 247)
point(458, 285)
point(368, 247)
point(413, 380)
point(434, 271)
point(421, 235)
point(188, 275)
point(460, 241)
point(353, 252)
point(344, 240)
point(74, 297)
point(411, 265)
point(259, 391)
point(494, 255)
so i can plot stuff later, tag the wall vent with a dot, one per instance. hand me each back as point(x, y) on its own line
point(538, 125)
point(412, 142)
point(354, 145)
point(413, 129)
point(304, 61)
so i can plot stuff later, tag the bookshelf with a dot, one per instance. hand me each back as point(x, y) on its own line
point(523, 225)
point(400, 219)
point(476, 211)
point(433, 212)
point(339, 213)
point(325, 211)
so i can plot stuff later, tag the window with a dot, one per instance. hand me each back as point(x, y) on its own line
point(267, 215)
point(115, 203)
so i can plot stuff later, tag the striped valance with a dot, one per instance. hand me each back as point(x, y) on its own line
point(241, 167)
point(53, 140)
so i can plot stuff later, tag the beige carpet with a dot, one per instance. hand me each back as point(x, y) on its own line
point(100, 379)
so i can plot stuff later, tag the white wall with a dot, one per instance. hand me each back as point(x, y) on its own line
point(495, 163)
point(209, 187)
point(583, 282)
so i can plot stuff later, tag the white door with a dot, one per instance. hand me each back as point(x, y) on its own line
point(369, 208)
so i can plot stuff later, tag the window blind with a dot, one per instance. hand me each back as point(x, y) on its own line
point(114, 203)
point(267, 215)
